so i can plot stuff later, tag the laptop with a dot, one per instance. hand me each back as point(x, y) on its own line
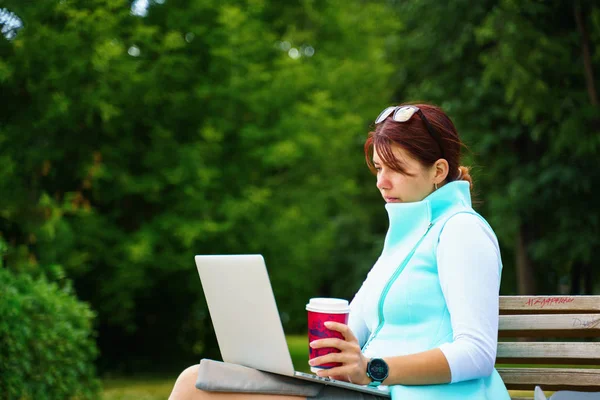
point(246, 321)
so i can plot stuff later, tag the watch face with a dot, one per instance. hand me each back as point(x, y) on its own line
point(378, 369)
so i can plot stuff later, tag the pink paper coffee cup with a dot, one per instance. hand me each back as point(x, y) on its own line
point(321, 310)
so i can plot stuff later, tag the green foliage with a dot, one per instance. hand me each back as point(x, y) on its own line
point(512, 76)
point(546, 96)
point(46, 342)
point(196, 129)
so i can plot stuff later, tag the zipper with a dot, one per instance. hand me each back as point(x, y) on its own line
point(388, 285)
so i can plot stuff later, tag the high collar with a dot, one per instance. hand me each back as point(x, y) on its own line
point(406, 218)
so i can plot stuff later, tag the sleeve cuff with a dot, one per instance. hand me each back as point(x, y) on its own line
point(464, 363)
point(452, 358)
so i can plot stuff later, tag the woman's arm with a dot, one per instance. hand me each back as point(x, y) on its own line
point(469, 268)
point(426, 368)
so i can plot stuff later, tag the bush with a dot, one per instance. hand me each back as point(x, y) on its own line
point(47, 346)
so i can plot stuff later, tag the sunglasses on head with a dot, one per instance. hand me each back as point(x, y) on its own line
point(404, 113)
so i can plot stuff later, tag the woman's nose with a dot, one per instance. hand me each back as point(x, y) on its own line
point(382, 181)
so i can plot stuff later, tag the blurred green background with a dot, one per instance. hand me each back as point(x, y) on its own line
point(136, 134)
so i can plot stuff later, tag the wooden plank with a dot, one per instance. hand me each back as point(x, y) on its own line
point(549, 304)
point(551, 378)
point(549, 353)
point(555, 325)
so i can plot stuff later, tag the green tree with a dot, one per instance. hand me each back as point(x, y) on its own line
point(551, 92)
point(203, 127)
point(513, 76)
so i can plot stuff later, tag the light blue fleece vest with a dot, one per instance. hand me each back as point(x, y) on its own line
point(412, 315)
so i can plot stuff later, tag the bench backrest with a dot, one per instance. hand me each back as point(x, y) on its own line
point(543, 332)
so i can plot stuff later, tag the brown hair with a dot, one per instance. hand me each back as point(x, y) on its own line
point(413, 137)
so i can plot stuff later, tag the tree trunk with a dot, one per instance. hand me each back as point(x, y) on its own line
point(579, 268)
point(586, 53)
point(525, 273)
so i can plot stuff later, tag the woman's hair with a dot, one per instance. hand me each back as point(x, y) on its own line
point(414, 137)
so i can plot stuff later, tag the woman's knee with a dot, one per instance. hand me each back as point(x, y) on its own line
point(185, 385)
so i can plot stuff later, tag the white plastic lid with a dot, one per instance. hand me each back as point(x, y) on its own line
point(328, 305)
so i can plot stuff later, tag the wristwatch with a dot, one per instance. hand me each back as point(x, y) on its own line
point(377, 370)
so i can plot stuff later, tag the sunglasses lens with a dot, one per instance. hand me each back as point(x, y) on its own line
point(384, 114)
point(403, 114)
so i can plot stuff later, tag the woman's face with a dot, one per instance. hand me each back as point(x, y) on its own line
point(396, 187)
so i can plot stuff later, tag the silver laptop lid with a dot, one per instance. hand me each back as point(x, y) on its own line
point(244, 313)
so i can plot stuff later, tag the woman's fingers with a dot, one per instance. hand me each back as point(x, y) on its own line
point(343, 329)
point(332, 342)
point(331, 358)
point(351, 355)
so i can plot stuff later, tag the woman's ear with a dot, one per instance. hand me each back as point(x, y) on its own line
point(440, 170)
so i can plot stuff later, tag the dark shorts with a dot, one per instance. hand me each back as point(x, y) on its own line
point(215, 376)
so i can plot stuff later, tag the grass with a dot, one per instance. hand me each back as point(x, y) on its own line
point(298, 345)
point(152, 388)
point(137, 388)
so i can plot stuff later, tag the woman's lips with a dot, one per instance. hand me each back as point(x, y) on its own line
point(392, 199)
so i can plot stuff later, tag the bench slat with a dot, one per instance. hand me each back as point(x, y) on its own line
point(555, 325)
point(549, 304)
point(551, 378)
point(549, 353)
point(550, 317)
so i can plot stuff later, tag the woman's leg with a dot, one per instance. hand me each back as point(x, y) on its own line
point(185, 389)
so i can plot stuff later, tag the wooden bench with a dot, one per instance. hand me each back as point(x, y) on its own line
point(549, 330)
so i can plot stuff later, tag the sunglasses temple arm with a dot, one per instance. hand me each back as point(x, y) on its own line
point(434, 133)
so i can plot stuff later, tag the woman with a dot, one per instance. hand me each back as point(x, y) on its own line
point(425, 321)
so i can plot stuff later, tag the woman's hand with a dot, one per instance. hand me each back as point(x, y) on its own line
point(354, 363)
